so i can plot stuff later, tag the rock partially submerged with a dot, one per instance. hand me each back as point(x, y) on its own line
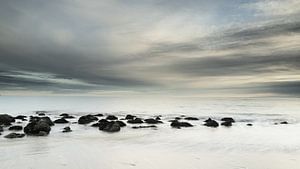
point(152, 121)
point(211, 123)
point(129, 117)
point(142, 127)
point(16, 128)
point(228, 119)
point(109, 126)
point(135, 121)
point(66, 116)
point(178, 124)
point(284, 122)
point(191, 118)
point(61, 121)
point(226, 123)
point(87, 119)
point(67, 129)
point(111, 117)
point(6, 119)
point(37, 128)
point(21, 117)
point(14, 135)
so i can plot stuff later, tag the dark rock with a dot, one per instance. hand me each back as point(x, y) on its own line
point(1, 129)
point(66, 116)
point(98, 115)
point(284, 122)
point(177, 118)
point(67, 129)
point(41, 114)
point(6, 119)
point(129, 117)
point(87, 119)
point(226, 123)
point(152, 121)
point(111, 117)
point(211, 123)
point(95, 124)
point(61, 121)
point(177, 124)
point(110, 126)
point(249, 124)
point(229, 119)
point(17, 128)
point(14, 135)
point(121, 123)
point(47, 120)
point(20, 117)
point(141, 127)
point(191, 118)
point(157, 118)
point(135, 121)
point(37, 128)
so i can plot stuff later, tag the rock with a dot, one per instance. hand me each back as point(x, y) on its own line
point(135, 121)
point(45, 119)
point(111, 117)
point(17, 128)
point(66, 116)
point(1, 129)
point(229, 119)
point(37, 128)
point(6, 119)
point(191, 118)
point(121, 123)
point(141, 127)
point(249, 124)
point(61, 121)
point(157, 118)
point(14, 135)
point(177, 118)
point(41, 114)
point(177, 124)
point(284, 122)
point(98, 115)
point(129, 117)
point(152, 121)
point(87, 119)
point(95, 124)
point(20, 117)
point(211, 123)
point(226, 123)
point(67, 129)
point(110, 126)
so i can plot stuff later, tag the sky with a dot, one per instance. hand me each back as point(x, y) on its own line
point(191, 48)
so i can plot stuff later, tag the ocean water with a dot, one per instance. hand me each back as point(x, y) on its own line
point(261, 146)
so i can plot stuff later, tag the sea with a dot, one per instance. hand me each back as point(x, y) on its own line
point(266, 144)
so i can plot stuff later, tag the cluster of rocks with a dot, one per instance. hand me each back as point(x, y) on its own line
point(40, 125)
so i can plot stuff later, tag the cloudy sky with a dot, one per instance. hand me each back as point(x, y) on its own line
point(145, 47)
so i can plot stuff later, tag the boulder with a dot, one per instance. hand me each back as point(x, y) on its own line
point(1, 129)
point(67, 129)
point(229, 119)
point(45, 119)
point(111, 117)
point(20, 117)
point(249, 124)
point(16, 128)
point(152, 121)
point(284, 122)
point(157, 118)
point(14, 135)
point(37, 128)
point(121, 123)
point(109, 126)
point(141, 127)
point(191, 118)
point(178, 124)
point(211, 123)
point(61, 121)
point(6, 119)
point(226, 123)
point(129, 117)
point(135, 121)
point(66, 116)
point(98, 115)
point(87, 119)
